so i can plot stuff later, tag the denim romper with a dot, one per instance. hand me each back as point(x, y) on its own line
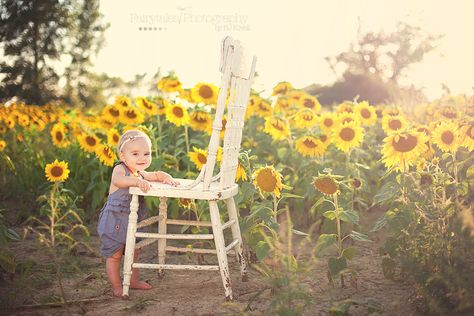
point(113, 218)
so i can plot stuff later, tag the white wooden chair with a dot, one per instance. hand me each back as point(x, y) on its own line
point(237, 80)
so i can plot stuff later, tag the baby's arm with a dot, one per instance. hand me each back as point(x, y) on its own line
point(120, 180)
point(160, 176)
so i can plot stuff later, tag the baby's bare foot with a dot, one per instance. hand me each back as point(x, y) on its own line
point(118, 291)
point(140, 285)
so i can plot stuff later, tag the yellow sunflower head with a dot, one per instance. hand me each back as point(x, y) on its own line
point(327, 121)
point(58, 134)
point(88, 142)
point(146, 106)
point(310, 146)
point(326, 184)
point(306, 118)
point(132, 116)
point(347, 107)
point(177, 114)
point(278, 128)
point(309, 102)
point(393, 123)
point(113, 137)
point(205, 92)
point(466, 134)
point(401, 150)
point(263, 108)
point(186, 94)
point(294, 96)
point(200, 120)
point(282, 105)
point(347, 136)
point(56, 171)
point(365, 113)
point(3, 145)
point(198, 157)
point(282, 88)
point(346, 117)
point(446, 136)
point(169, 84)
point(112, 112)
point(106, 155)
point(122, 102)
point(267, 180)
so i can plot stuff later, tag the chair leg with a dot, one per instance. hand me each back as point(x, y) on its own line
point(162, 230)
point(239, 248)
point(220, 249)
point(130, 244)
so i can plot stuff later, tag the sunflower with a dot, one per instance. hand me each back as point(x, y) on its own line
point(263, 108)
point(186, 203)
point(3, 144)
point(446, 136)
point(186, 94)
point(177, 114)
point(447, 113)
point(58, 134)
point(223, 126)
point(132, 116)
point(88, 142)
point(240, 174)
point(123, 102)
point(106, 155)
point(56, 171)
point(402, 149)
point(346, 117)
point(346, 106)
point(200, 121)
point(366, 113)
point(277, 127)
point(282, 88)
point(347, 136)
point(326, 184)
point(10, 122)
point(3, 129)
point(161, 104)
point(310, 102)
point(324, 139)
point(169, 84)
point(38, 123)
point(392, 111)
point(294, 96)
point(392, 124)
point(106, 123)
point(146, 106)
point(306, 118)
point(267, 180)
point(113, 137)
point(467, 136)
point(198, 157)
point(205, 92)
point(112, 112)
point(310, 146)
point(23, 120)
point(281, 104)
point(327, 121)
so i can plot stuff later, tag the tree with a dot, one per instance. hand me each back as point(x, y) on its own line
point(387, 56)
point(37, 34)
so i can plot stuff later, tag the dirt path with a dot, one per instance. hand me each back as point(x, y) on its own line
point(188, 292)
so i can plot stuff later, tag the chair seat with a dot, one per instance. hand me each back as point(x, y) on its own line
point(215, 191)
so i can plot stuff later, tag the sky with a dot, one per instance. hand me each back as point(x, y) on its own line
point(289, 38)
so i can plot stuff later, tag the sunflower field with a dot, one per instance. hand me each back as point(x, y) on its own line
point(315, 172)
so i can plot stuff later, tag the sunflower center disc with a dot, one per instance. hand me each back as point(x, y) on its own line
point(205, 92)
point(56, 171)
point(347, 134)
point(447, 137)
point(405, 144)
point(365, 113)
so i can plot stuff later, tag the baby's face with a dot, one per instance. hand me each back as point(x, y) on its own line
point(136, 154)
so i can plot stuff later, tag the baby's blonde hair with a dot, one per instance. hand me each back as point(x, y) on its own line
point(130, 136)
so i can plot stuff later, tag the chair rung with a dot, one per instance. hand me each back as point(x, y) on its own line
point(193, 250)
point(227, 224)
point(175, 236)
point(174, 266)
point(185, 222)
point(145, 242)
point(150, 221)
point(231, 245)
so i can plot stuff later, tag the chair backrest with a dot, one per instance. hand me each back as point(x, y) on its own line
point(236, 82)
